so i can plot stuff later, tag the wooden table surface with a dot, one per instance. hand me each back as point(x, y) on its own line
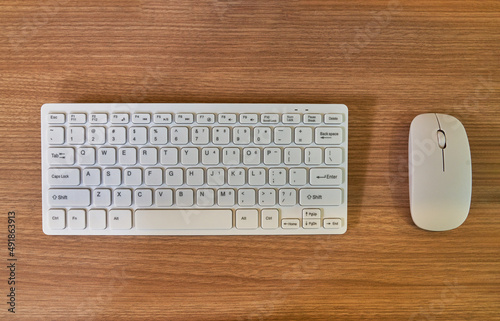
point(388, 61)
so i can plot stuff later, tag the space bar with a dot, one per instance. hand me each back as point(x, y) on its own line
point(184, 219)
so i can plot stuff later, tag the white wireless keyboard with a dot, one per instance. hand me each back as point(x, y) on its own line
point(194, 169)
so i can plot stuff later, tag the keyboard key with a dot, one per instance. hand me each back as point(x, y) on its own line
point(127, 156)
point(328, 135)
point(190, 156)
point(91, 176)
point(220, 135)
point(267, 197)
point(257, 176)
point(205, 197)
point(106, 156)
point(169, 156)
point(57, 219)
point(272, 156)
point(312, 118)
point(97, 135)
point(98, 118)
point(56, 135)
point(313, 156)
point(164, 197)
point(249, 118)
point(148, 156)
point(252, 156)
point(231, 156)
point(97, 219)
point(200, 135)
point(184, 118)
point(153, 176)
point(102, 197)
point(293, 156)
point(333, 118)
point(298, 176)
point(236, 176)
point(210, 156)
point(86, 156)
point(333, 156)
point(247, 219)
point(179, 135)
point(311, 213)
point(69, 197)
point(291, 118)
point(77, 219)
point(282, 135)
point(269, 219)
point(122, 198)
point(205, 118)
point(64, 176)
point(227, 118)
point(246, 197)
point(174, 176)
point(76, 135)
point(262, 135)
point(277, 176)
point(141, 118)
point(303, 135)
point(120, 118)
point(143, 197)
point(132, 176)
point(320, 196)
point(287, 197)
point(112, 176)
point(61, 156)
point(162, 118)
point(311, 223)
point(226, 197)
point(117, 135)
point(241, 135)
point(216, 176)
point(120, 219)
point(56, 119)
point(188, 219)
point(77, 118)
point(269, 118)
point(325, 176)
point(290, 223)
point(195, 176)
point(138, 135)
point(332, 223)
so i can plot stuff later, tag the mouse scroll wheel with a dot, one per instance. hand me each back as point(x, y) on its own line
point(441, 137)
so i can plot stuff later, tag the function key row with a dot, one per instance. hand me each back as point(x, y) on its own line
point(189, 118)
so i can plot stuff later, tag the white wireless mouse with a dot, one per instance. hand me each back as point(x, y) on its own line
point(440, 172)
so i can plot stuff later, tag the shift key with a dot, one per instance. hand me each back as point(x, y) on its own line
point(320, 196)
point(69, 197)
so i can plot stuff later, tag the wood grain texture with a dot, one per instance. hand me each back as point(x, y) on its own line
point(388, 61)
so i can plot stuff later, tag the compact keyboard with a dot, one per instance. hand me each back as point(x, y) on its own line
point(194, 169)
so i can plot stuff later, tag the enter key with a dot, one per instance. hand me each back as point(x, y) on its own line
point(325, 176)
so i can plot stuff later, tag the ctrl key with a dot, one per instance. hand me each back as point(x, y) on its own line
point(57, 219)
